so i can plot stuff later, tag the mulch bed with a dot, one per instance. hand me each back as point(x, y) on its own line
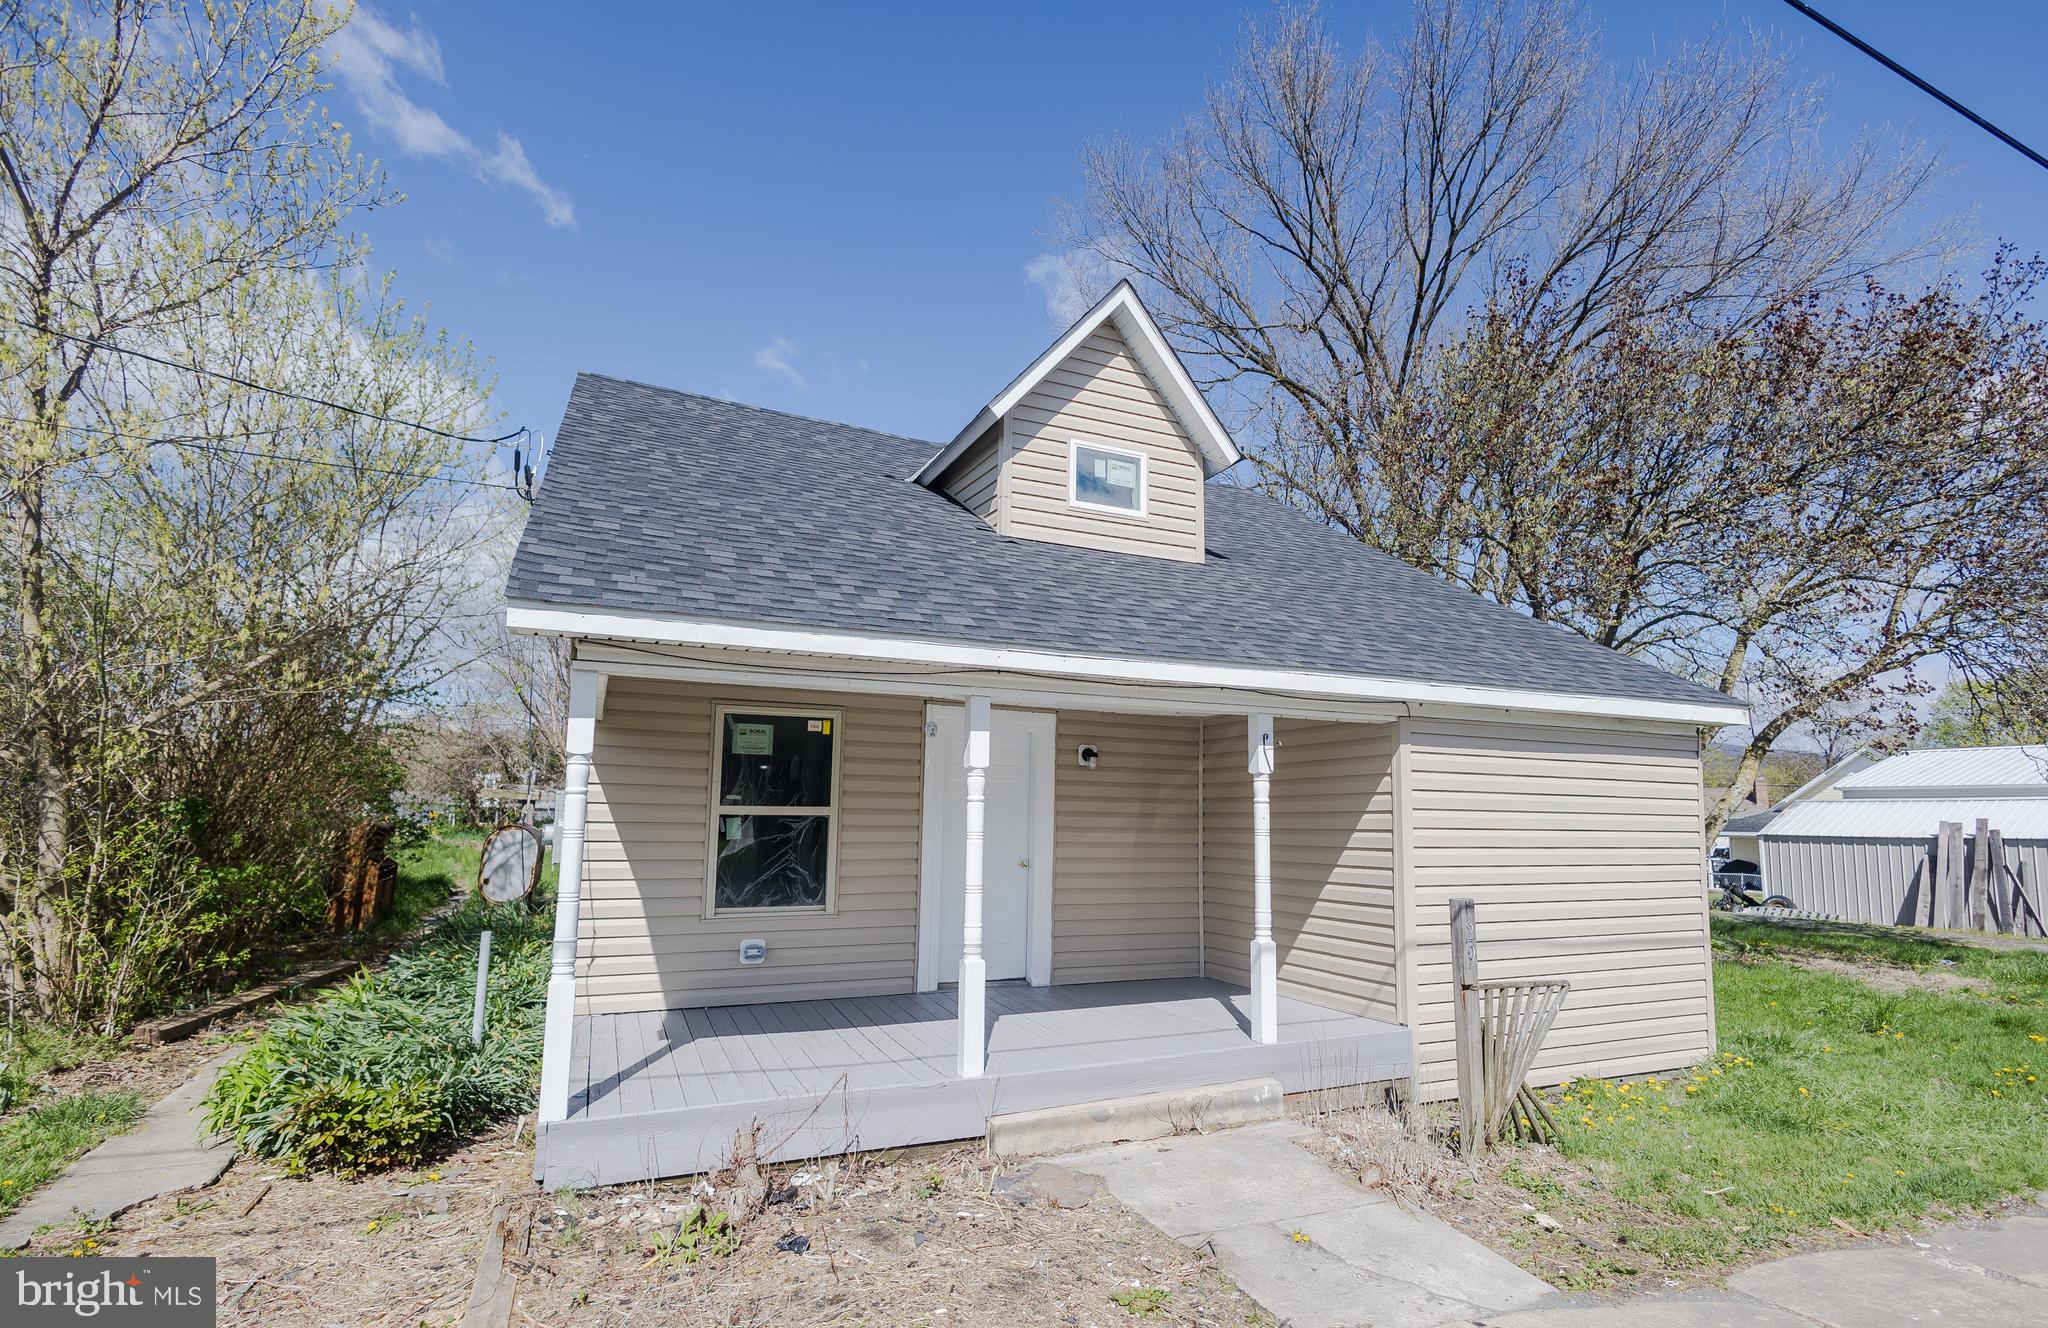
point(914, 1238)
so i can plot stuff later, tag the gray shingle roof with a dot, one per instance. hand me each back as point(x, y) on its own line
point(1750, 824)
point(662, 501)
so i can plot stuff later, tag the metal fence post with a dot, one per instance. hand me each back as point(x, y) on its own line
point(483, 973)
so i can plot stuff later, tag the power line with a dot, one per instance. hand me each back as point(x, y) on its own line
point(356, 411)
point(203, 444)
point(1918, 82)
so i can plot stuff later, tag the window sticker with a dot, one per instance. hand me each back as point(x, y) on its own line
point(753, 739)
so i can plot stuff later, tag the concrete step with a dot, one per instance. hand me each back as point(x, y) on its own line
point(1126, 1119)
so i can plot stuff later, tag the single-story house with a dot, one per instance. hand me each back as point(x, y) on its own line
point(1863, 851)
point(911, 784)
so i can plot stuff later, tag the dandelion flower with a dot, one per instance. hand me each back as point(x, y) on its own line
point(371, 1225)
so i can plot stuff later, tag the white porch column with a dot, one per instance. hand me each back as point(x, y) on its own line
point(973, 972)
point(556, 1045)
point(1265, 965)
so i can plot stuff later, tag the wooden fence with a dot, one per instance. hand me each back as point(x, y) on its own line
point(1969, 885)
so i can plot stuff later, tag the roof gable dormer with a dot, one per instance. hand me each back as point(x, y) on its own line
point(1104, 441)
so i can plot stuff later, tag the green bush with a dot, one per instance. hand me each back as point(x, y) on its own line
point(350, 1127)
point(381, 1073)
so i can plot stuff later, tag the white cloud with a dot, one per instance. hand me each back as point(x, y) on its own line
point(779, 357)
point(509, 164)
point(1071, 282)
point(368, 55)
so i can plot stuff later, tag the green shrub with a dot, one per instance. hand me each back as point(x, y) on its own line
point(350, 1127)
point(381, 1073)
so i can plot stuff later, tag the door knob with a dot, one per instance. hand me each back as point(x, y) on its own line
point(1023, 862)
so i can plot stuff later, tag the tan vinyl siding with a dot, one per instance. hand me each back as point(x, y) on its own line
point(973, 480)
point(1333, 861)
point(1100, 393)
point(1582, 847)
point(1126, 856)
point(645, 942)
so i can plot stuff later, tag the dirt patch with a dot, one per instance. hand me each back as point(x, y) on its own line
point(1553, 1217)
point(1893, 979)
point(151, 1071)
point(903, 1240)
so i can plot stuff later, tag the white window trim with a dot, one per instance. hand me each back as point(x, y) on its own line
point(719, 711)
point(1074, 499)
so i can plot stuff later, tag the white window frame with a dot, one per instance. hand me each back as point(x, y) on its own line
point(1074, 499)
point(780, 710)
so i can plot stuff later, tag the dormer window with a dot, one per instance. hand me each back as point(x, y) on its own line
point(1110, 479)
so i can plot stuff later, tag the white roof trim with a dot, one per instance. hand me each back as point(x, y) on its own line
point(1910, 819)
point(669, 629)
point(1159, 359)
point(1861, 759)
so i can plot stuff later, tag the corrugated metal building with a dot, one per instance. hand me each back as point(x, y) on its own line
point(1865, 855)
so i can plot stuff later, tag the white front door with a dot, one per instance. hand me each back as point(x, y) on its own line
point(1015, 901)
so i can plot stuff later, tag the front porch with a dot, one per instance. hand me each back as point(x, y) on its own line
point(662, 1093)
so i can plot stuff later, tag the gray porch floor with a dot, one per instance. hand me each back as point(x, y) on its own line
point(662, 1093)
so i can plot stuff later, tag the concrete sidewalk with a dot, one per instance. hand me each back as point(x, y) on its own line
point(1982, 1275)
point(1315, 1250)
point(166, 1152)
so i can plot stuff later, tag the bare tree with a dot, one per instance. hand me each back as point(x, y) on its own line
point(1489, 305)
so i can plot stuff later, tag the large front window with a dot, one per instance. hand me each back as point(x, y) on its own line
point(773, 808)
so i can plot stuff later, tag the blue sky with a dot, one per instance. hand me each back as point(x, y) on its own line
point(832, 209)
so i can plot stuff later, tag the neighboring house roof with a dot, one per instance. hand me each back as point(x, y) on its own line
point(660, 502)
point(1123, 309)
point(1954, 772)
point(1908, 818)
point(1750, 824)
point(1860, 759)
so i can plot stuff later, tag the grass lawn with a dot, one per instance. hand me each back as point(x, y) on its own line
point(37, 1144)
point(1834, 1102)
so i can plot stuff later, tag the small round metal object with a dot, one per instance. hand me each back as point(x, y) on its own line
point(511, 865)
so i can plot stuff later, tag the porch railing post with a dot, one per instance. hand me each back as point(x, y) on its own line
point(973, 972)
point(1265, 962)
point(560, 1027)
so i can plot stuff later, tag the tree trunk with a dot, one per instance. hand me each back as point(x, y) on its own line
point(43, 884)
